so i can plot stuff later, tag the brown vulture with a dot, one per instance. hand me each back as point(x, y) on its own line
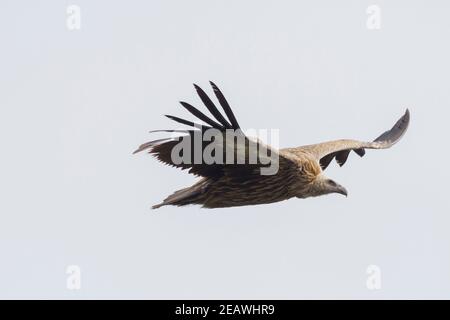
point(299, 171)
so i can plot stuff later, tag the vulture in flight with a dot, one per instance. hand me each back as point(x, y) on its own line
point(299, 171)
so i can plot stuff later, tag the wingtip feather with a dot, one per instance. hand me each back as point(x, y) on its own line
point(393, 135)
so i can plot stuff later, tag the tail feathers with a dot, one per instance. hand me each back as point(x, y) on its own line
point(185, 196)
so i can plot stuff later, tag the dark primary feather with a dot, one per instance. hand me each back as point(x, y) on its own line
point(170, 130)
point(200, 115)
point(186, 122)
point(211, 107)
point(226, 107)
point(221, 122)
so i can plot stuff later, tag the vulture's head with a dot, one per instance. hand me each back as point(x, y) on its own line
point(323, 185)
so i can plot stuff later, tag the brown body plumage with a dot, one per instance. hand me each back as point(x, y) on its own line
point(299, 170)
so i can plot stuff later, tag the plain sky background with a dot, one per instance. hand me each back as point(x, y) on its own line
point(75, 104)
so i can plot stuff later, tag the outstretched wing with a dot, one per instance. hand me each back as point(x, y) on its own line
point(241, 146)
point(340, 149)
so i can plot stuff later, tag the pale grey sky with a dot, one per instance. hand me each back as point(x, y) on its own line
point(75, 104)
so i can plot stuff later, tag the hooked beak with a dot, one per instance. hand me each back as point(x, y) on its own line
point(340, 189)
